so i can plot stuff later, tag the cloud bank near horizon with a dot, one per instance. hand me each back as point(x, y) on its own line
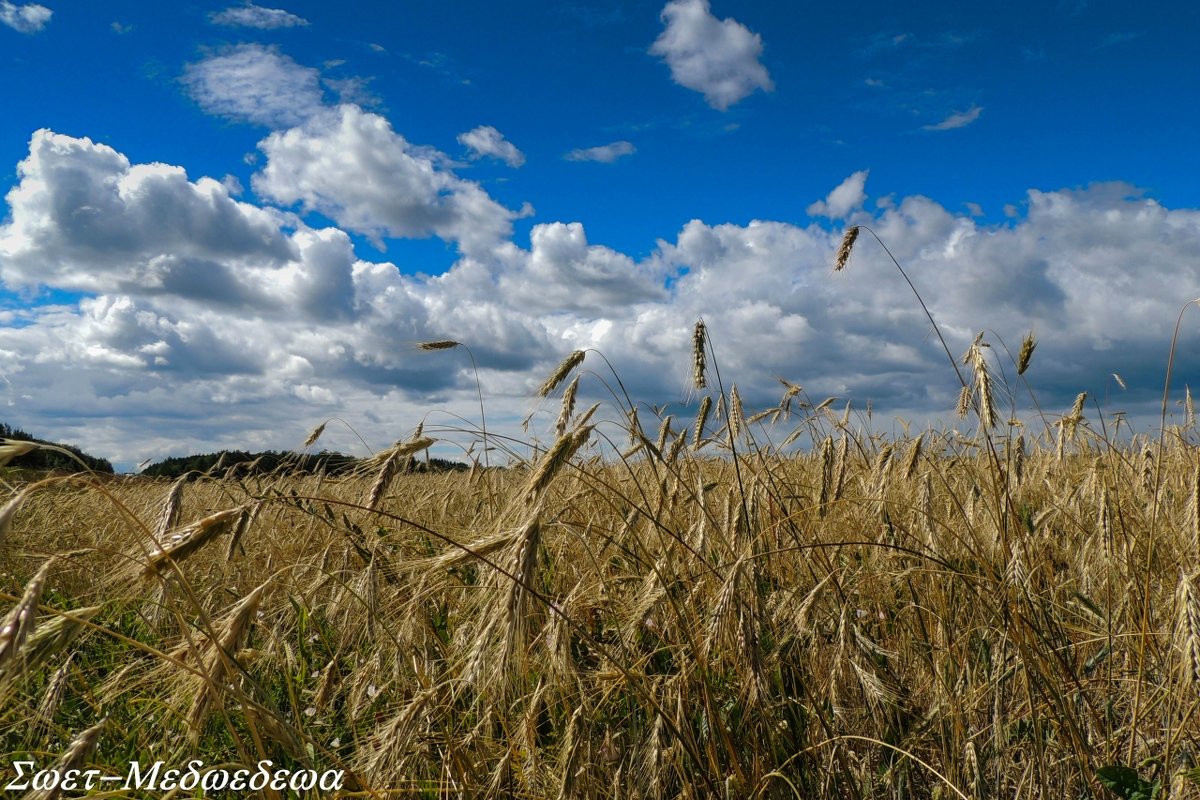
point(177, 317)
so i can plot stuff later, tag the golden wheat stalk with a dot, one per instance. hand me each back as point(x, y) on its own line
point(190, 539)
point(1187, 598)
point(522, 565)
point(701, 418)
point(13, 448)
point(20, 621)
point(75, 756)
point(845, 248)
point(316, 434)
point(699, 360)
point(10, 509)
point(172, 507)
point(568, 407)
point(228, 636)
point(554, 460)
point(561, 372)
point(737, 414)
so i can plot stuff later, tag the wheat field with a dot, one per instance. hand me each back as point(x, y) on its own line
point(780, 604)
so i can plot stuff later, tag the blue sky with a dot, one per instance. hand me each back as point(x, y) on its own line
point(226, 223)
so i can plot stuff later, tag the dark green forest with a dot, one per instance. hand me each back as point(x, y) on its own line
point(49, 460)
point(221, 463)
point(239, 462)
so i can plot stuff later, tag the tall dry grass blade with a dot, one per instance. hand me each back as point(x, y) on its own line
point(561, 372)
point(699, 357)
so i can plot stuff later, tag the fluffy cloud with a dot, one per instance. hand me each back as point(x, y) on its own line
point(209, 322)
point(487, 141)
point(257, 84)
point(351, 166)
point(847, 197)
point(81, 203)
point(252, 16)
point(28, 18)
point(719, 58)
point(605, 154)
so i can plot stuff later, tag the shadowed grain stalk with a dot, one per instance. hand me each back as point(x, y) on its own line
point(1028, 345)
point(699, 359)
point(316, 434)
point(845, 248)
point(701, 418)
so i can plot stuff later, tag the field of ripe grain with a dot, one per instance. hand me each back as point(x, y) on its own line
point(1008, 615)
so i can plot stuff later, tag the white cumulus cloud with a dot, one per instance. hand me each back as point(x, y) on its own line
point(252, 16)
point(28, 18)
point(352, 166)
point(487, 141)
point(847, 197)
point(210, 322)
point(719, 58)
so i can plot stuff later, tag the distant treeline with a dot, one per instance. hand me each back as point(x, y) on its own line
point(49, 459)
point(222, 462)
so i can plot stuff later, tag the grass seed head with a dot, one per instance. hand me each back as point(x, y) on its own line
point(845, 248)
point(561, 372)
point(1028, 344)
point(12, 448)
point(699, 361)
point(444, 344)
